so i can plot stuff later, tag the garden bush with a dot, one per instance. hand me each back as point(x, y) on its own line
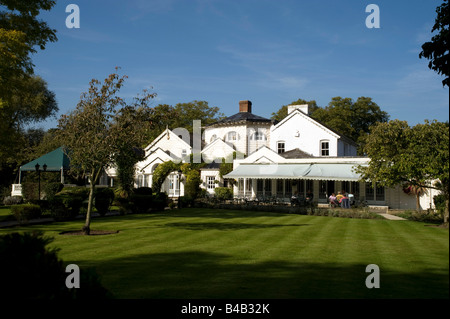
point(25, 212)
point(223, 193)
point(160, 201)
point(51, 189)
point(12, 200)
point(141, 200)
point(34, 271)
point(104, 198)
point(65, 206)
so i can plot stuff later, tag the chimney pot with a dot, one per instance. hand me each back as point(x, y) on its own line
point(245, 106)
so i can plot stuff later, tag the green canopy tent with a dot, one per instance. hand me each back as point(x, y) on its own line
point(54, 161)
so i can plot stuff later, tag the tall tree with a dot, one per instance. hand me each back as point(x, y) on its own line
point(437, 50)
point(101, 129)
point(417, 156)
point(283, 111)
point(351, 118)
point(24, 98)
point(195, 110)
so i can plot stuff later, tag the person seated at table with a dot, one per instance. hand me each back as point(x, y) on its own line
point(294, 199)
point(309, 197)
point(345, 203)
point(332, 200)
point(339, 197)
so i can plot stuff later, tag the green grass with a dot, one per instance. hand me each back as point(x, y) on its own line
point(204, 253)
point(5, 213)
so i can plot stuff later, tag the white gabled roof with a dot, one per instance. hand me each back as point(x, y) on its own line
point(218, 143)
point(167, 134)
point(297, 112)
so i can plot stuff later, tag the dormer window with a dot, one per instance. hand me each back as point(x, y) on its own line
point(325, 148)
point(280, 147)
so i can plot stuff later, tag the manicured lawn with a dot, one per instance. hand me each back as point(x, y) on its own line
point(5, 213)
point(202, 253)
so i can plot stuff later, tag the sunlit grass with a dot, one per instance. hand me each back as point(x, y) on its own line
point(202, 253)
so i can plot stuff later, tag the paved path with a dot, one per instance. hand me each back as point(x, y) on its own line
point(391, 217)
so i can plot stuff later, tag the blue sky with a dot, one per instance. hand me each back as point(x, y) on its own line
point(269, 52)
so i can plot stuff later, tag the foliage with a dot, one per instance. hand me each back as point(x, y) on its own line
point(161, 172)
point(12, 200)
point(223, 193)
point(34, 271)
point(402, 154)
point(141, 199)
point(350, 118)
point(160, 201)
point(51, 189)
point(439, 203)
point(103, 200)
point(181, 116)
point(343, 115)
point(66, 204)
point(283, 111)
point(436, 50)
point(102, 129)
point(25, 212)
point(24, 98)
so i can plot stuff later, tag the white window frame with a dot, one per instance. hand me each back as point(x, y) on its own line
point(210, 182)
point(279, 148)
point(324, 151)
point(232, 136)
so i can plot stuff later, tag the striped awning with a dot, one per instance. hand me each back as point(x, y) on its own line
point(316, 171)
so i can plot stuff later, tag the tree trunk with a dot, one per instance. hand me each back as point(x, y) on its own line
point(87, 225)
point(418, 203)
point(92, 181)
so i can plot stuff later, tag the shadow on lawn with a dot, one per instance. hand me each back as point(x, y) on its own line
point(197, 274)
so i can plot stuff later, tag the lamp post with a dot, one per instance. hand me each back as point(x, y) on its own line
point(179, 187)
point(44, 168)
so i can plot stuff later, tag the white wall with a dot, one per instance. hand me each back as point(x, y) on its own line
point(309, 135)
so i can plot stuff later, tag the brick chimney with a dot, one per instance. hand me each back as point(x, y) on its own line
point(245, 106)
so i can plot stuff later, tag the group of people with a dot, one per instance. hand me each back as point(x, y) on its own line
point(342, 199)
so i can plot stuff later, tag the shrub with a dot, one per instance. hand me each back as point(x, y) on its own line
point(223, 193)
point(439, 203)
point(34, 271)
point(51, 189)
point(143, 191)
point(12, 200)
point(103, 200)
point(65, 206)
point(25, 212)
point(160, 201)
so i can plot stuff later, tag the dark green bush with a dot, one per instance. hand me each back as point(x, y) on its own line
point(25, 212)
point(51, 189)
point(33, 271)
point(104, 198)
point(141, 200)
point(439, 203)
point(160, 201)
point(65, 206)
point(143, 191)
